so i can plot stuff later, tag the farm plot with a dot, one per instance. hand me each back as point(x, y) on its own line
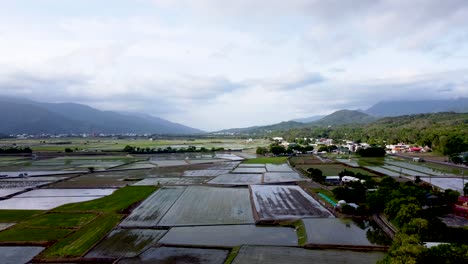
point(348, 162)
point(19, 171)
point(229, 157)
point(204, 173)
point(15, 255)
point(45, 199)
point(246, 165)
point(202, 161)
point(419, 168)
point(227, 165)
point(108, 179)
point(384, 171)
point(171, 181)
point(280, 177)
point(230, 236)
point(278, 168)
point(291, 255)
point(125, 243)
point(336, 232)
point(249, 170)
point(179, 255)
point(404, 171)
point(150, 212)
point(237, 179)
point(10, 191)
point(455, 184)
point(284, 202)
point(137, 165)
point(169, 163)
point(4, 226)
point(333, 169)
point(66, 193)
point(200, 205)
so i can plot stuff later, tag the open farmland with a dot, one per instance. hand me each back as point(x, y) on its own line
point(179, 255)
point(284, 202)
point(213, 206)
point(333, 169)
point(281, 177)
point(15, 255)
point(230, 236)
point(125, 243)
point(290, 255)
point(150, 212)
point(237, 179)
point(338, 232)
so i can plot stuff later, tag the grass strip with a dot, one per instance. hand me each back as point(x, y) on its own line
point(15, 234)
point(265, 160)
point(232, 255)
point(13, 216)
point(82, 240)
point(59, 220)
point(116, 202)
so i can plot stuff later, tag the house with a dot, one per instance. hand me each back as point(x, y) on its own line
point(332, 179)
point(461, 207)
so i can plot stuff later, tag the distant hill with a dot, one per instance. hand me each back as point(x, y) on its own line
point(344, 117)
point(308, 119)
point(255, 130)
point(24, 116)
point(398, 108)
point(341, 117)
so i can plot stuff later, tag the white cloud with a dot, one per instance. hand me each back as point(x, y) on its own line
point(214, 65)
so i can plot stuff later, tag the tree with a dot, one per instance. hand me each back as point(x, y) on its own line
point(90, 169)
point(371, 152)
point(316, 174)
point(68, 150)
point(261, 150)
point(406, 213)
point(277, 149)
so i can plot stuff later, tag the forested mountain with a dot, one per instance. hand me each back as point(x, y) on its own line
point(24, 116)
point(444, 132)
point(308, 119)
point(398, 108)
point(343, 117)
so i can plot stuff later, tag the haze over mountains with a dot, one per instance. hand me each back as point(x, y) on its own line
point(375, 112)
point(23, 116)
point(19, 116)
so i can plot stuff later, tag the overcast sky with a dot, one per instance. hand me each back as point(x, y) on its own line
point(214, 64)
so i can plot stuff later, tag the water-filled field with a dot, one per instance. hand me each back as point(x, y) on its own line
point(199, 205)
point(284, 202)
point(230, 236)
point(237, 179)
point(290, 255)
point(15, 255)
point(179, 255)
point(279, 177)
point(125, 243)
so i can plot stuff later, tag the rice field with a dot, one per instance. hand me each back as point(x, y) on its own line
point(278, 168)
point(204, 173)
point(150, 211)
point(290, 255)
point(404, 171)
point(282, 177)
point(125, 243)
point(171, 181)
point(249, 170)
point(284, 202)
point(230, 236)
point(179, 255)
point(15, 255)
point(200, 205)
point(237, 179)
point(383, 171)
point(339, 232)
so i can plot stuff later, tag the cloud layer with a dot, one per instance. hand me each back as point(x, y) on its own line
point(214, 65)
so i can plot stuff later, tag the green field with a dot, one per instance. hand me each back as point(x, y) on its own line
point(116, 202)
point(82, 240)
point(13, 216)
point(267, 160)
point(16, 234)
point(333, 169)
point(59, 220)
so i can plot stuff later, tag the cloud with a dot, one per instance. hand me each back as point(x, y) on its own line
point(214, 65)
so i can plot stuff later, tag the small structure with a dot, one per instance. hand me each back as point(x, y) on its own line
point(461, 207)
point(332, 179)
point(346, 179)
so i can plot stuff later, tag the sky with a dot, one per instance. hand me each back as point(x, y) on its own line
point(214, 64)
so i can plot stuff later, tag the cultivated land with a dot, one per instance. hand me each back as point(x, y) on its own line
point(184, 207)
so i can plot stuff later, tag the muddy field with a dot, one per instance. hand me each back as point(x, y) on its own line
point(284, 202)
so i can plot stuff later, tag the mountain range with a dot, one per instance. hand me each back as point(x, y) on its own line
point(24, 116)
point(18, 116)
point(374, 113)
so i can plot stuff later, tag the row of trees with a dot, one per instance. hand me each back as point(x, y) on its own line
point(277, 149)
point(138, 150)
point(15, 150)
